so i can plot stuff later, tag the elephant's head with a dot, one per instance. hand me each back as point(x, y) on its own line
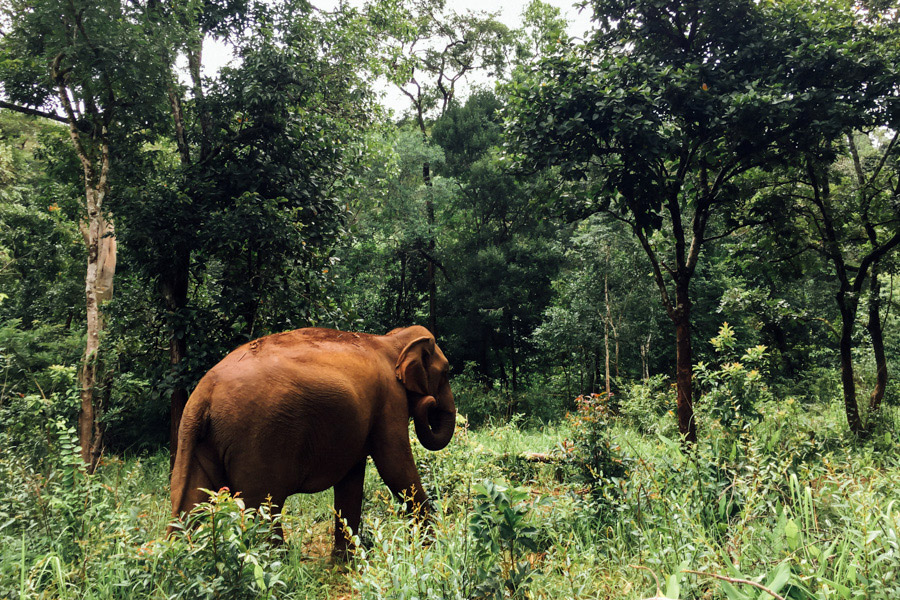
point(422, 369)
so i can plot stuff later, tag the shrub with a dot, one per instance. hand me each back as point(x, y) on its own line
point(732, 390)
point(646, 405)
point(597, 458)
point(399, 564)
point(37, 390)
point(476, 398)
point(449, 475)
point(222, 550)
point(480, 554)
point(502, 538)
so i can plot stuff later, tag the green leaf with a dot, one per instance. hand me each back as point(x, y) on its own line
point(777, 579)
point(842, 590)
point(732, 592)
point(260, 577)
point(673, 586)
point(792, 534)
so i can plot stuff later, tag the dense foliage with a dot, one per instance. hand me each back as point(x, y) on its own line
point(737, 160)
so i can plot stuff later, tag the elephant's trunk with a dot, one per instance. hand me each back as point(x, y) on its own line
point(434, 424)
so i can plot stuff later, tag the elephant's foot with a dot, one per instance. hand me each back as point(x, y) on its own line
point(345, 546)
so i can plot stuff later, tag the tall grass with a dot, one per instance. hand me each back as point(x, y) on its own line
point(789, 501)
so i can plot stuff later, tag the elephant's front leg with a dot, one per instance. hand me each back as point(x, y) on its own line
point(395, 464)
point(348, 495)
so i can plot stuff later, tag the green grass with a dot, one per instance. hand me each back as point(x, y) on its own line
point(791, 497)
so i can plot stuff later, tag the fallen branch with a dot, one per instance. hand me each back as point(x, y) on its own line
point(734, 580)
point(535, 457)
point(659, 595)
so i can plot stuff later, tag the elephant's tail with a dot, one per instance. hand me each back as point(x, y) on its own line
point(193, 427)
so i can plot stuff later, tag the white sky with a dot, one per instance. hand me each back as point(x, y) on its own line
point(509, 12)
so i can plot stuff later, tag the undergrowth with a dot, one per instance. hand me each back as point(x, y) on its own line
point(597, 505)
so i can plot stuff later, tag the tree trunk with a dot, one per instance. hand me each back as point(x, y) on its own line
point(174, 284)
point(101, 254)
point(514, 367)
point(645, 358)
point(399, 312)
point(615, 331)
point(195, 59)
point(174, 288)
point(679, 310)
point(100, 242)
point(684, 368)
point(876, 334)
point(432, 285)
point(847, 297)
point(98, 286)
point(848, 384)
point(606, 323)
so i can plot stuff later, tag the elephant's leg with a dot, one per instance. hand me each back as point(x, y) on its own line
point(348, 496)
point(395, 463)
point(204, 473)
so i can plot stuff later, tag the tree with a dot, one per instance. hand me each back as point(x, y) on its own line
point(543, 27)
point(844, 204)
point(497, 254)
point(95, 61)
point(40, 257)
point(501, 253)
point(665, 114)
point(429, 50)
point(166, 256)
point(248, 208)
point(381, 273)
point(600, 293)
point(848, 211)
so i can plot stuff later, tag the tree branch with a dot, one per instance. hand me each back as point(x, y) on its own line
point(33, 112)
point(435, 262)
point(872, 257)
point(657, 272)
point(735, 228)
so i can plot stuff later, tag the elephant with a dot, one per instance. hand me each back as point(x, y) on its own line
point(301, 411)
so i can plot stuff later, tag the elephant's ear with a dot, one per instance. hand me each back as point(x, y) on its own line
point(412, 366)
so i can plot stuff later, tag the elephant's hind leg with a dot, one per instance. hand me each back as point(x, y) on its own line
point(348, 495)
point(205, 473)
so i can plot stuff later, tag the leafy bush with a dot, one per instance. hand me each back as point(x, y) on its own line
point(647, 405)
point(399, 564)
point(38, 388)
point(64, 515)
point(476, 399)
point(732, 391)
point(596, 456)
point(450, 475)
point(481, 553)
point(222, 550)
point(28, 357)
point(502, 539)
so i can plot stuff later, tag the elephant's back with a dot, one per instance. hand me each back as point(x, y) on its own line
point(294, 401)
point(292, 360)
point(310, 341)
point(274, 387)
